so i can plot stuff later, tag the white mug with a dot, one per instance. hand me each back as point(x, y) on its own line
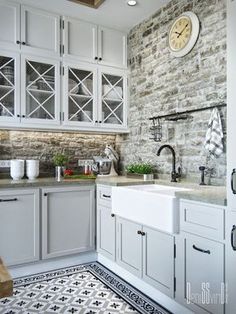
point(17, 169)
point(32, 169)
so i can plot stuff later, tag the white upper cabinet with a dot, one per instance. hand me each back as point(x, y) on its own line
point(40, 31)
point(40, 90)
point(9, 25)
point(80, 94)
point(80, 40)
point(89, 42)
point(9, 87)
point(112, 47)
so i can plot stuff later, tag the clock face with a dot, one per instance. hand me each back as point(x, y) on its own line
point(180, 33)
point(184, 34)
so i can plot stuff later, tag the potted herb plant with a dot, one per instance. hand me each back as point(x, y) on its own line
point(144, 170)
point(60, 160)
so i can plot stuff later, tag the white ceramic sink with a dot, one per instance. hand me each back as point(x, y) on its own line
point(151, 205)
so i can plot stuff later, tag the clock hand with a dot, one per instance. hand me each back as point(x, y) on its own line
point(182, 31)
point(177, 33)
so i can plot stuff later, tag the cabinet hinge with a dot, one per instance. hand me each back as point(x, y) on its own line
point(61, 116)
point(62, 24)
point(174, 250)
point(62, 70)
point(174, 284)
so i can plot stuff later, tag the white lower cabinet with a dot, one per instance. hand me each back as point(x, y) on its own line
point(68, 221)
point(200, 259)
point(19, 226)
point(159, 260)
point(129, 246)
point(106, 232)
point(200, 274)
point(146, 253)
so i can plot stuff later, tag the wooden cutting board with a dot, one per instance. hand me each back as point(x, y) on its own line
point(6, 282)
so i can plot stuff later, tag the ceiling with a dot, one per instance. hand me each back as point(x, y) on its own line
point(112, 13)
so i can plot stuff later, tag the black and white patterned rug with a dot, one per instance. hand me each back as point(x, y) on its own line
point(85, 289)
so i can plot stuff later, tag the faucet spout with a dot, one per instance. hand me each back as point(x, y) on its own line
point(174, 174)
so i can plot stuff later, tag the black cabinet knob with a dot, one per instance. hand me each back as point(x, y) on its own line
point(18, 116)
point(112, 215)
point(96, 58)
point(100, 121)
point(139, 232)
point(96, 121)
point(45, 194)
point(18, 42)
point(100, 59)
point(23, 43)
point(23, 116)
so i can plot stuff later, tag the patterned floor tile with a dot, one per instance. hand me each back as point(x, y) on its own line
point(84, 289)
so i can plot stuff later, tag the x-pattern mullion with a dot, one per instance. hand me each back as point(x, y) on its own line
point(113, 111)
point(80, 107)
point(6, 109)
point(80, 81)
point(2, 67)
point(112, 87)
point(41, 105)
point(40, 75)
point(5, 64)
point(6, 94)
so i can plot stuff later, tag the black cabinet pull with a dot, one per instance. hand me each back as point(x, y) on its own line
point(23, 116)
point(100, 59)
point(232, 181)
point(201, 250)
point(100, 121)
point(18, 42)
point(106, 196)
point(18, 116)
point(112, 215)
point(45, 194)
point(143, 234)
point(232, 238)
point(96, 58)
point(139, 232)
point(9, 200)
point(23, 43)
point(96, 121)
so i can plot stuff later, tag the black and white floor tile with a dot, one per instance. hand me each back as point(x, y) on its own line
point(85, 289)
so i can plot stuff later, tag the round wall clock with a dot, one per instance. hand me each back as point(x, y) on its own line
point(184, 34)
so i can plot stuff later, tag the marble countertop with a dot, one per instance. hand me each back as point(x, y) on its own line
point(208, 194)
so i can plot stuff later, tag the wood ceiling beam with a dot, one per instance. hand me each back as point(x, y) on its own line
point(90, 3)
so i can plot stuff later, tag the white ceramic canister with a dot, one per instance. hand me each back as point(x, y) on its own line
point(17, 169)
point(32, 169)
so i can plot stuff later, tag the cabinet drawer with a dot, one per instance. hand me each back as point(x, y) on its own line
point(204, 273)
point(104, 195)
point(202, 219)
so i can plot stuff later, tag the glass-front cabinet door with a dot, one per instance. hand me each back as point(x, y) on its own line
point(80, 95)
point(9, 88)
point(113, 99)
point(40, 91)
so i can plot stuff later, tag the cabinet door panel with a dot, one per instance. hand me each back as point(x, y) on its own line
point(129, 246)
point(204, 271)
point(40, 79)
point(19, 226)
point(158, 260)
point(112, 98)
point(112, 47)
point(40, 31)
point(80, 95)
point(9, 25)
point(80, 40)
point(9, 88)
point(106, 232)
point(68, 221)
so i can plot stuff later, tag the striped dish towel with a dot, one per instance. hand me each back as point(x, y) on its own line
point(214, 136)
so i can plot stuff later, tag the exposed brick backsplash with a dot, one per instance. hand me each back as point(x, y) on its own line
point(43, 145)
point(160, 83)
